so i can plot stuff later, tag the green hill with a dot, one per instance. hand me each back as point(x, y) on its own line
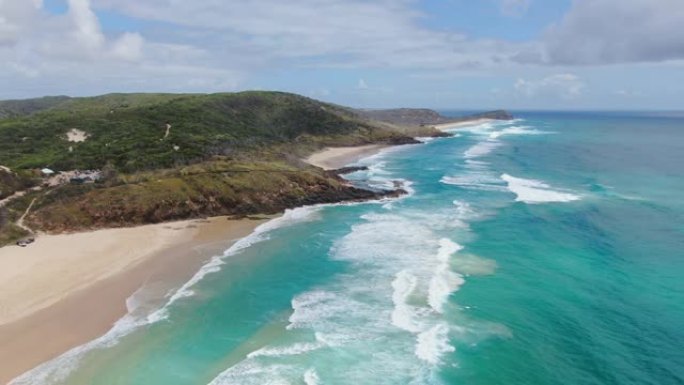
point(128, 131)
point(174, 156)
point(16, 108)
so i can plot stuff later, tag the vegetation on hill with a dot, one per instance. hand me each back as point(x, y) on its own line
point(128, 132)
point(212, 188)
point(16, 108)
point(11, 182)
point(174, 156)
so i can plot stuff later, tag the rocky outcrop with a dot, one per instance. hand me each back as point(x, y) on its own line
point(441, 134)
point(347, 170)
point(400, 140)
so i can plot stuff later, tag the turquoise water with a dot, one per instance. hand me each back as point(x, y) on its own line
point(547, 250)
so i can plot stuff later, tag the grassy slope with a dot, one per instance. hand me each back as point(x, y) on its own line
point(16, 108)
point(210, 188)
point(226, 154)
point(9, 183)
point(126, 131)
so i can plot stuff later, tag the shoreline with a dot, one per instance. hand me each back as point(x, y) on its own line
point(332, 158)
point(51, 306)
point(43, 331)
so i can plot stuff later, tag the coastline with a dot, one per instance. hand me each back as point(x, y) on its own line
point(48, 306)
point(156, 258)
point(332, 158)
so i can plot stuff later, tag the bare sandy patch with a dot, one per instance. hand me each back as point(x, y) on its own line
point(75, 135)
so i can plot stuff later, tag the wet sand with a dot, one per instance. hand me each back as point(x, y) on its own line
point(65, 290)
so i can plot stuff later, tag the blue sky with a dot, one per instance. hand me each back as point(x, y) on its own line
point(448, 54)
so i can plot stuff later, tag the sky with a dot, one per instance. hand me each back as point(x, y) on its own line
point(444, 54)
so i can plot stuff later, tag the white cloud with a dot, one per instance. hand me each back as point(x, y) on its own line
point(515, 8)
point(618, 31)
point(213, 45)
point(13, 15)
point(228, 39)
point(320, 33)
point(27, 30)
point(565, 86)
point(22, 70)
point(86, 28)
point(128, 47)
point(69, 53)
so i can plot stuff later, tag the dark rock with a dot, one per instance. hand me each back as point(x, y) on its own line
point(347, 170)
point(403, 140)
point(441, 134)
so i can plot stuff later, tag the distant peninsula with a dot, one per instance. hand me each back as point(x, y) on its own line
point(427, 117)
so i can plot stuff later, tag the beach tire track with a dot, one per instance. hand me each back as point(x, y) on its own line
point(20, 222)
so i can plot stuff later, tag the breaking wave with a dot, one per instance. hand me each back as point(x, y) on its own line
point(534, 191)
point(59, 368)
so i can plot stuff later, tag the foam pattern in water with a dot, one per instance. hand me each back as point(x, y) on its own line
point(384, 322)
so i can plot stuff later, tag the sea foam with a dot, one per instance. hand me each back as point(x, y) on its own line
point(403, 314)
point(294, 349)
point(534, 191)
point(311, 377)
point(444, 281)
point(253, 373)
point(433, 343)
point(289, 217)
point(481, 149)
point(517, 130)
point(59, 368)
point(475, 181)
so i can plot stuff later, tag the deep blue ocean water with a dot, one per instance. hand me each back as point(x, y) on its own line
point(547, 250)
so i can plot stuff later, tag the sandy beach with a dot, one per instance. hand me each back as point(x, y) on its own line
point(451, 126)
point(332, 158)
point(65, 290)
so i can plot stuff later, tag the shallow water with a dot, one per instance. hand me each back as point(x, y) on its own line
point(540, 251)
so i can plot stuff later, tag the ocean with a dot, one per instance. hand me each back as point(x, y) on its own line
point(544, 250)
